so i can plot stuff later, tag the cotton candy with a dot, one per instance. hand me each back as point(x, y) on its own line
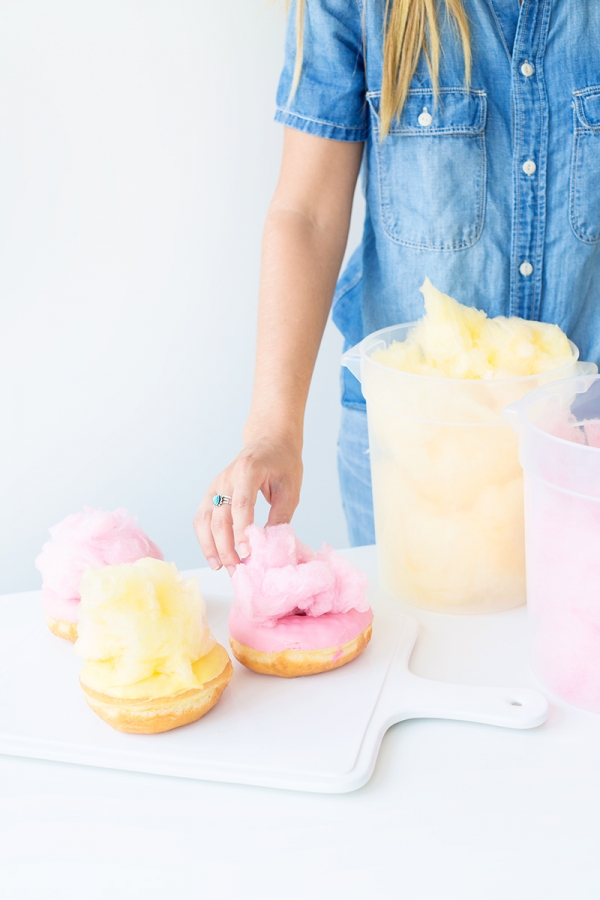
point(282, 577)
point(563, 595)
point(554, 419)
point(456, 341)
point(138, 620)
point(86, 540)
point(447, 483)
point(563, 562)
point(591, 428)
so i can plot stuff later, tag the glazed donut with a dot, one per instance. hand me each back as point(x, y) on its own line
point(300, 645)
point(62, 628)
point(151, 714)
point(151, 662)
point(296, 612)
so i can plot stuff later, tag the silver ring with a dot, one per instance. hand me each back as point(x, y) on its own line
point(220, 499)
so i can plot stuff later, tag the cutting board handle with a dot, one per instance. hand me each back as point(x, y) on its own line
point(507, 707)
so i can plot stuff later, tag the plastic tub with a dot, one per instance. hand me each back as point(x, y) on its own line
point(562, 531)
point(447, 484)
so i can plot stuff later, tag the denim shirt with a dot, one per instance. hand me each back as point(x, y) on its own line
point(492, 191)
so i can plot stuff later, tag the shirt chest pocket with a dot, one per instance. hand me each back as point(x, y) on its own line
point(585, 166)
point(431, 169)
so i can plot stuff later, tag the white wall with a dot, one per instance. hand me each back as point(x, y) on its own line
point(137, 158)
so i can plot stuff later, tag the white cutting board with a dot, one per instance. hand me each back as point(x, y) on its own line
point(318, 733)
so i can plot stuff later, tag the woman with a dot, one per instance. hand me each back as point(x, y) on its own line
point(477, 124)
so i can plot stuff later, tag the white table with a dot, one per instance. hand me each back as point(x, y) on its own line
point(453, 810)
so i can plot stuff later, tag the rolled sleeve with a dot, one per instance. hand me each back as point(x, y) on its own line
point(330, 100)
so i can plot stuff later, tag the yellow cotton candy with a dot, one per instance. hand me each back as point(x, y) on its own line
point(449, 520)
point(141, 625)
point(456, 341)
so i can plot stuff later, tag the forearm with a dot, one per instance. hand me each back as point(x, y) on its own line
point(301, 261)
point(304, 240)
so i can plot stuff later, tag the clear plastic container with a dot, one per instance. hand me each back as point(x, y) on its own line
point(562, 532)
point(447, 484)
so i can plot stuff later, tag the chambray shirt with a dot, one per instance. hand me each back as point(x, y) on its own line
point(493, 192)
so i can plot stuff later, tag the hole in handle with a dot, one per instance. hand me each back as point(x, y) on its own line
point(516, 703)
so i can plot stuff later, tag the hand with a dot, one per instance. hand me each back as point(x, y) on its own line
point(275, 469)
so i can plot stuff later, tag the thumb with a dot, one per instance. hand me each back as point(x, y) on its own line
point(283, 503)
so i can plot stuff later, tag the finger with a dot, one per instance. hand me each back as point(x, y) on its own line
point(222, 531)
point(283, 503)
point(242, 507)
point(203, 529)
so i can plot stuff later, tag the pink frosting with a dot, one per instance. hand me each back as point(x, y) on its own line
point(91, 539)
point(300, 632)
point(282, 578)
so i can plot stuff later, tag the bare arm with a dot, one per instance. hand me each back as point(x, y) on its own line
point(304, 239)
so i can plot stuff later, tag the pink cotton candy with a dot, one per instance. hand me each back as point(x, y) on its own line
point(592, 432)
point(91, 539)
point(566, 426)
point(282, 577)
point(563, 592)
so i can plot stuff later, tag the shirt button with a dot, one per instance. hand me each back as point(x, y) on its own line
point(526, 268)
point(527, 69)
point(425, 119)
point(529, 167)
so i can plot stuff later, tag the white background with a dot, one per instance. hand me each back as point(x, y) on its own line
point(138, 154)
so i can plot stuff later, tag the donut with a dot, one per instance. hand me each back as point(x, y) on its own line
point(151, 662)
point(62, 628)
point(149, 714)
point(85, 540)
point(296, 612)
point(300, 645)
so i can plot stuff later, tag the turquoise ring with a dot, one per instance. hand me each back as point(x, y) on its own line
point(220, 499)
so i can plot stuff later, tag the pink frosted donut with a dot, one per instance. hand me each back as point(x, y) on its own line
point(296, 612)
point(91, 539)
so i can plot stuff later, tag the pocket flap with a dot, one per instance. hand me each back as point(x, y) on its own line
point(587, 104)
point(454, 111)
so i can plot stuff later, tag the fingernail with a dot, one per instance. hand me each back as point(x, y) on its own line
point(231, 570)
point(214, 563)
point(243, 550)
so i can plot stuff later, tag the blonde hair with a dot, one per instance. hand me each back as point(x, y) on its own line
point(411, 29)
